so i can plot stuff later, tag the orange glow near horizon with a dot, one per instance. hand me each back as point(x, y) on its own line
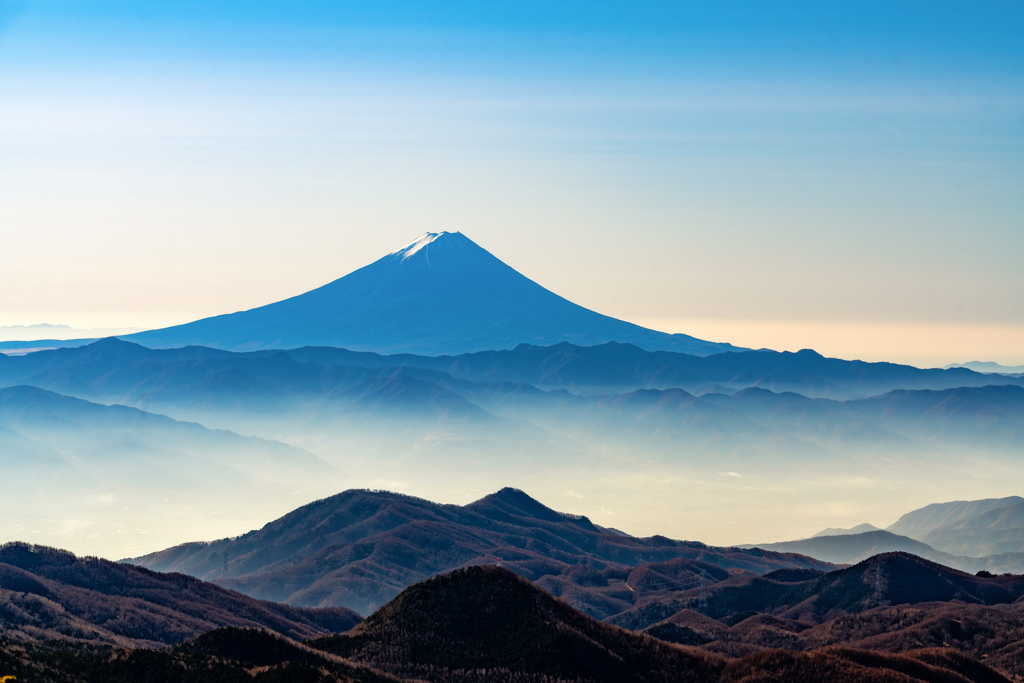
point(922, 344)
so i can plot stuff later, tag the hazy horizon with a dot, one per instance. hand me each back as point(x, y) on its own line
point(842, 177)
point(911, 343)
point(838, 177)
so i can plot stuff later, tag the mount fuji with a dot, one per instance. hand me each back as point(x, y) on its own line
point(440, 294)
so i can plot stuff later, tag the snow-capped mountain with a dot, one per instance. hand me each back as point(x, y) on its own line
point(440, 294)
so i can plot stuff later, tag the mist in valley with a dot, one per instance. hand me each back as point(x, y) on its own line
point(144, 449)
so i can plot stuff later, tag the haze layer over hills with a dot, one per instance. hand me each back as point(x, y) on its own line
point(617, 424)
point(701, 438)
point(441, 293)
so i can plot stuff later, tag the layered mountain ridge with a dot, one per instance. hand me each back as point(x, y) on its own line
point(895, 618)
point(623, 396)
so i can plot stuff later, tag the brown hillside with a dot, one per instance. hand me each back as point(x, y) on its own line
point(47, 593)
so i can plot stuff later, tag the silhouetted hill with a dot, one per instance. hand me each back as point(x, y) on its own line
point(361, 548)
point(440, 294)
point(48, 593)
point(489, 623)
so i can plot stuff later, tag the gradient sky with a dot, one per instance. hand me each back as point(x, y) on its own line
point(842, 175)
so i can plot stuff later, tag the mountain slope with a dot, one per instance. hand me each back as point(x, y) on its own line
point(851, 548)
point(48, 593)
point(440, 294)
point(1000, 530)
point(361, 548)
point(919, 522)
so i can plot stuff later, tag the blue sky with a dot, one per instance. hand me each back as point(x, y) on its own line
point(839, 175)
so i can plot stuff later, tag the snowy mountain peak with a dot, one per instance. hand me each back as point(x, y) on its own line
point(416, 245)
point(442, 293)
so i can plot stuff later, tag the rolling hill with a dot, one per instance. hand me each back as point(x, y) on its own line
point(883, 580)
point(486, 623)
point(359, 549)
